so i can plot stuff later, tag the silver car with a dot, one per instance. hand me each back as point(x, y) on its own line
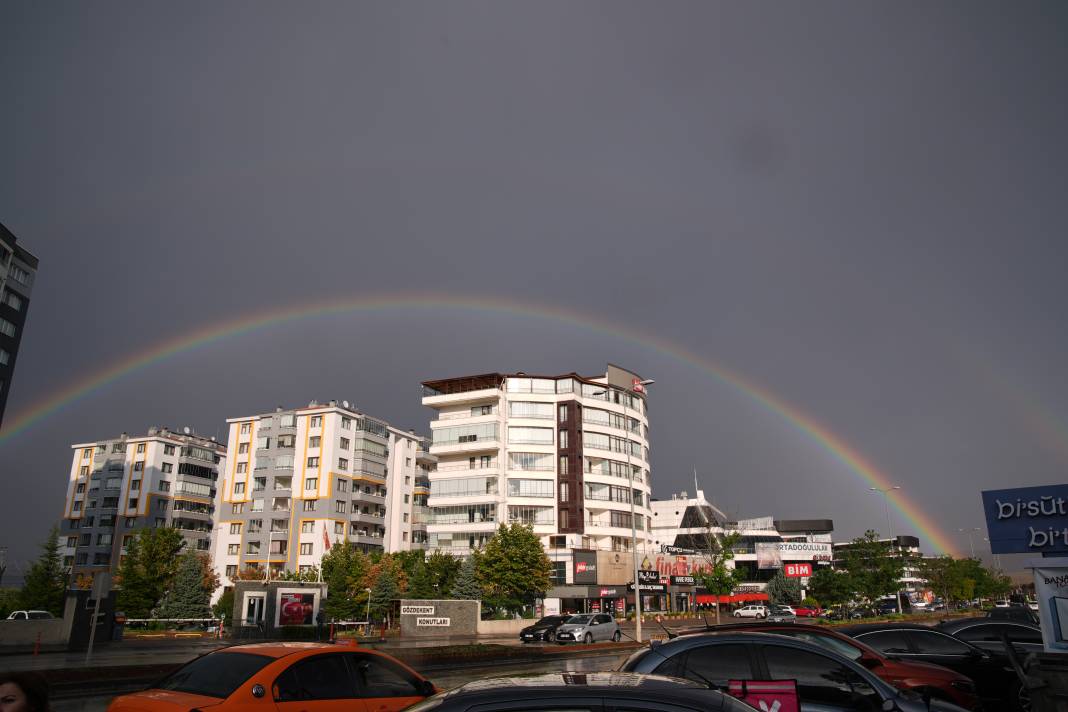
point(588, 627)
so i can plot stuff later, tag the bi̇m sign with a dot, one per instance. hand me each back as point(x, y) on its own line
point(1027, 520)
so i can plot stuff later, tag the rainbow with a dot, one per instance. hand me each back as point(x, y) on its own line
point(799, 420)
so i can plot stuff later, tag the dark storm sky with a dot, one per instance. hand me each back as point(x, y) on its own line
point(859, 206)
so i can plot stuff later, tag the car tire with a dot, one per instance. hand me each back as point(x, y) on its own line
point(550, 637)
point(617, 636)
point(588, 638)
point(759, 615)
point(737, 615)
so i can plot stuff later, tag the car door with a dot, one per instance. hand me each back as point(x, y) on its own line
point(718, 663)
point(383, 685)
point(823, 683)
point(992, 675)
point(604, 627)
point(988, 637)
point(320, 683)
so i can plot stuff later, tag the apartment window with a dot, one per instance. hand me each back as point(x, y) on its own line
point(133, 503)
point(346, 424)
point(263, 443)
point(558, 573)
point(118, 447)
point(12, 300)
point(286, 441)
point(563, 464)
point(404, 536)
point(537, 436)
point(339, 528)
point(307, 527)
point(406, 499)
point(306, 549)
point(312, 483)
point(129, 522)
point(238, 508)
point(342, 463)
point(20, 275)
point(481, 410)
point(257, 505)
point(231, 571)
point(279, 525)
point(135, 485)
point(233, 549)
point(161, 505)
point(342, 485)
point(168, 449)
point(288, 421)
point(253, 547)
point(339, 507)
point(80, 488)
point(255, 526)
point(166, 468)
point(561, 414)
point(76, 507)
point(405, 516)
point(563, 438)
point(309, 505)
point(140, 448)
point(139, 466)
point(316, 421)
point(239, 488)
point(260, 483)
point(7, 328)
point(242, 449)
point(72, 541)
point(563, 517)
point(242, 468)
point(313, 462)
point(314, 441)
point(246, 428)
point(235, 527)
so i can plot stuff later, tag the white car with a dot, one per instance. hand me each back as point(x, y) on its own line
point(1033, 605)
point(1001, 604)
point(751, 612)
point(30, 616)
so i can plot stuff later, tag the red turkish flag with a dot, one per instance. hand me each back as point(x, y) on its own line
point(326, 538)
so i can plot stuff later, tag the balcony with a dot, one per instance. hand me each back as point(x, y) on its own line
point(432, 397)
point(449, 447)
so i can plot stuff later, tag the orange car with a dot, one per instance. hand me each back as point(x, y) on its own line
point(284, 677)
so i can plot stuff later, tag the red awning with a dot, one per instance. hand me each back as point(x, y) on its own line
point(733, 598)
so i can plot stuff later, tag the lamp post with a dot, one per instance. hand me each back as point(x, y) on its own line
point(971, 542)
point(997, 557)
point(890, 531)
point(633, 528)
point(368, 608)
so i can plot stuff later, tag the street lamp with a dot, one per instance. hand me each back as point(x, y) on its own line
point(368, 608)
point(890, 531)
point(633, 529)
point(997, 557)
point(971, 542)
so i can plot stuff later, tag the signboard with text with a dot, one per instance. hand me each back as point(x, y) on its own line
point(798, 570)
point(1027, 520)
point(585, 563)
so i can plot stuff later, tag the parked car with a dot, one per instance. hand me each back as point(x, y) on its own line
point(1001, 604)
point(1014, 613)
point(923, 678)
point(587, 628)
point(583, 691)
point(754, 611)
point(808, 611)
point(544, 629)
point(781, 614)
point(30, 616)
point(986, 633)
point(826, 681)
point(321, 677)
point(994, 677)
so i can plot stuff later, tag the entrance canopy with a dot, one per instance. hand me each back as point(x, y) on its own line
point(733, 598)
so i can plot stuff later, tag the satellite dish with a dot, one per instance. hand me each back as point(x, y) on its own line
point(185, 430)
point(345, 403)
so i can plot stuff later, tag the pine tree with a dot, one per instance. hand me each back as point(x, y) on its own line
point(383, 593)
point(146, 571)
point(45, 587)
point(419, 584)
point(466, 586)
point(783, 590)
point(186, 596)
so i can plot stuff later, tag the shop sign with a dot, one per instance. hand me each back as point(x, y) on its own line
point(585, 563)
point(665, 549)
point(804, 550)
point(683, 581)
point(798, 570)
point(595, 606)
point(417, 610)
point(1027, 520)
point(606, 592)
point(647, 587)
point(620, 605)
point(434, 622)
point(648, 576)
point(1051, 590)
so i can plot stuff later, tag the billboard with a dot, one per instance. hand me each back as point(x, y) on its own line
point(1051, 590)
point(1027, 520)
point(585, 563)
point(296, 608)
point(798, 570)
point(768, 555)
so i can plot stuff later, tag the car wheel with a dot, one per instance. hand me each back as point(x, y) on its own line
point(550, 637)
point(737, 615)
point(617, 637)
point(759, 615)
point(588, 638)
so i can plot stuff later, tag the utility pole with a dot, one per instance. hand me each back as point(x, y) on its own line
point(890, 531)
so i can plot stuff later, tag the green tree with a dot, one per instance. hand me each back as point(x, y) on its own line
point(513, 569)
point(145, 573)
point(783, 590)
point(832, 588)
point(224, 607)
point(186, 595)
point(344, 569)
point(383, 593)
point(45, 586)
point(715, 571)
point(419, 585)
point(874, 568)
point(466, 587)
point(441, 569)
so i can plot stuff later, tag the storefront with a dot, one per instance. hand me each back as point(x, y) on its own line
point(681, 591)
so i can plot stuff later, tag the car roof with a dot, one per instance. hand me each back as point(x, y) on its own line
point(962, 623)
point(860, 628)
point(282, 649)
point(756, 626)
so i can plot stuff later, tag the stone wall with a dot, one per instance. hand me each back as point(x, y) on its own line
point(440, 618)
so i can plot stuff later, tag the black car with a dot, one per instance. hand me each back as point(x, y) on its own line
point(1022, 614)
point(582, 692)
point(986, 633)
point(994, 677)
point(544, 629)
point(826, 681)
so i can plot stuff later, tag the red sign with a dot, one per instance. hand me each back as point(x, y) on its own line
point(778, 695)
point(595, 606)
point(799, 570)
point(580, 567)
point(620, 603)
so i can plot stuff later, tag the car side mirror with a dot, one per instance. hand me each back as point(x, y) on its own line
point(426, 687)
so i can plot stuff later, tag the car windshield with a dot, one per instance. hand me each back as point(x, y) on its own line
point(579, 620)
point(215, 674)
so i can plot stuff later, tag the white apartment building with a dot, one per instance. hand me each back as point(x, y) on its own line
point(410, 466)
point(563, 453)
point(301, 480)
point(118, 486)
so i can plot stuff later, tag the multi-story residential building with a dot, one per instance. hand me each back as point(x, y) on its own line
point(908, 548)
point(565, 454)
point(301, 480)
point(410, 465)
point(18, 268)
point(122, 485)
